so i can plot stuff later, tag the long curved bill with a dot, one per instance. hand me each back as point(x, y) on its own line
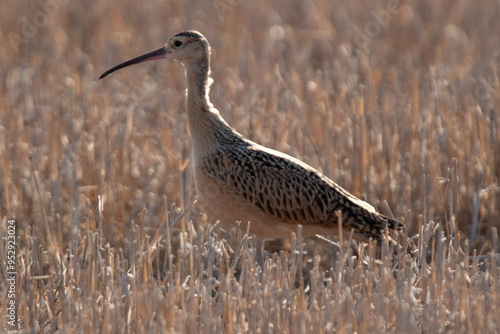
point(156, 54)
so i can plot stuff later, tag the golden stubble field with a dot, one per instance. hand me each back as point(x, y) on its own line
point(394, 100)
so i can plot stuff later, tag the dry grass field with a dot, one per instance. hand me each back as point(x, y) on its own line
point(394, 100)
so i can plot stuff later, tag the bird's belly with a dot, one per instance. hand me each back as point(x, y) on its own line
point(228, 205)
point(224, 203)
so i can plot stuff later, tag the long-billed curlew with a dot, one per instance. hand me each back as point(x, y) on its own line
point(239, 180)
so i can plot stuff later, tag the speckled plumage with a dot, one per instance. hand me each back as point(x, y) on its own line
point(286, 190)
point(239, 180)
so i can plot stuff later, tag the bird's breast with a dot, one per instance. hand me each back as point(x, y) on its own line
point(221, 199)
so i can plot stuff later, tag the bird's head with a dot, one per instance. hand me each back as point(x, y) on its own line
point(186, 46)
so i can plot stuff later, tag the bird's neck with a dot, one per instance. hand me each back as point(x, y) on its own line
point(198, 77)
point(207, 127)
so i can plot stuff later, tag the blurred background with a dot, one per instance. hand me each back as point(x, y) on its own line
point(394, 100)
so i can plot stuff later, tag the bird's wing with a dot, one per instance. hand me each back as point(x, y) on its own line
point(291, 191)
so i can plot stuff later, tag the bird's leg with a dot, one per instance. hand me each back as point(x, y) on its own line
point(259, 254)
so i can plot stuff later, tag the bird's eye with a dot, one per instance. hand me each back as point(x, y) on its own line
point(177, 43)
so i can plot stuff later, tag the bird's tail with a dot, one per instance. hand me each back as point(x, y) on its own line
point(369, 224)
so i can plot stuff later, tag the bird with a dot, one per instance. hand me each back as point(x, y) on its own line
point(238, 180)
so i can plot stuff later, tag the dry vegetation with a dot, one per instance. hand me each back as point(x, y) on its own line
point(396, 101)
